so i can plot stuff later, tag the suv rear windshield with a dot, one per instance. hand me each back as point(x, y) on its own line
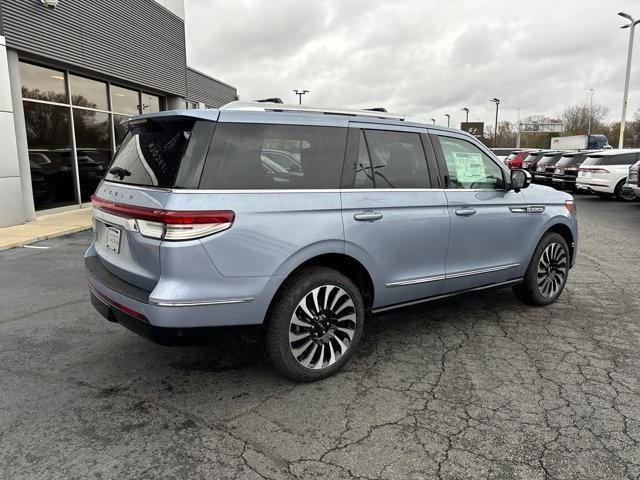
point(264, 156)
point(151, 153)
point(621, 159)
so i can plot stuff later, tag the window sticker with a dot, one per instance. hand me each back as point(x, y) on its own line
point(469, 167)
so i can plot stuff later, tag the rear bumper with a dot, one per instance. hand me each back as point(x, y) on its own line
point(594, 185)
point(175, 336)
point(131, 305)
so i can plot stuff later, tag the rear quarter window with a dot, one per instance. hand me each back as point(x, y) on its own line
point(266, 156)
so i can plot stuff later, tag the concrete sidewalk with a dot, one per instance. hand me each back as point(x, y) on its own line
point(44, 227)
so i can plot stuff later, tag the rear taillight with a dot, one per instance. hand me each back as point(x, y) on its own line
point(571, 207)
point(594, 170)
point(170, 224)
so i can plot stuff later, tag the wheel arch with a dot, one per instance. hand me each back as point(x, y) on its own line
point(343, 263)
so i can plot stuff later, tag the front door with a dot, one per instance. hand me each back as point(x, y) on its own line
point(488, 223)
point(395, 222)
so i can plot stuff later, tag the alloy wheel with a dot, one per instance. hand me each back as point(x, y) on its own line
point(322, 327)
point(552, 270)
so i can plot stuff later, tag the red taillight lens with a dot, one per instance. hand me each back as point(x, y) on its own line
point(570, 206)
point(170, 224)
point(594, 170)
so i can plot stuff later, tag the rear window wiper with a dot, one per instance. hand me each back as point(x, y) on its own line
point(120, 172)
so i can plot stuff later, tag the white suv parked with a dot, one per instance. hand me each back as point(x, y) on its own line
point(605, 173)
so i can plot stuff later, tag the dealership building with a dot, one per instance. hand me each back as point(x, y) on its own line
point(68, 76)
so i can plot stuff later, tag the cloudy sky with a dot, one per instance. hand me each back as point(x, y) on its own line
point(420, 57)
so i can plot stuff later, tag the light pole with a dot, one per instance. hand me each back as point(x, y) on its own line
point(433, 120)
point(466, 110)
point(300, 93)
point(495, 132)
point(632, 24)
point(590, 111)
point(448, 119)
point(519, 128)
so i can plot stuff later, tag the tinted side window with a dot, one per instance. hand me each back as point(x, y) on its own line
point(624, 159)
point(397, 159)
point(364, 175)
point(262, 156)
point(468, 166)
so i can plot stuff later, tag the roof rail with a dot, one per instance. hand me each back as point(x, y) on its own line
point(277, 107)
point(270, 100)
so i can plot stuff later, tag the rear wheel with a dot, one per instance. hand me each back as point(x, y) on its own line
point(623, 196)
point(547, 274)
point(315, 324)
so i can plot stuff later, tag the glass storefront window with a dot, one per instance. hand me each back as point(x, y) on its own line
point(150, 103)
point(121, 130)
point(88, 93)
point(41, 83)
point(49, 130)
point(93, 141)
point(50, 158)
point(124, 100)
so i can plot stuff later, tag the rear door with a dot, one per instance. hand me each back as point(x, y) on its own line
point(395, 217)
point(488, 223)
point(147, 165)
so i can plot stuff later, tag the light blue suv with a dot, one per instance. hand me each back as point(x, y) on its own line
point(305, 221)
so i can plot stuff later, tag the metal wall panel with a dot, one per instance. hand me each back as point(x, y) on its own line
point(137, 41)
point(208, 90)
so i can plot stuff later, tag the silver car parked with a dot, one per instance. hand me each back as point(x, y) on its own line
point(305, 221)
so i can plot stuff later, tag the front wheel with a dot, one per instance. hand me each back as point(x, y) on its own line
point(314, 325)
point(547, 274)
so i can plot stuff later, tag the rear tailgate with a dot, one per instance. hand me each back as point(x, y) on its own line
point(127, 254)
point(152, 160)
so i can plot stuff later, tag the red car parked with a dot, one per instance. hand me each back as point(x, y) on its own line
point(516, 158)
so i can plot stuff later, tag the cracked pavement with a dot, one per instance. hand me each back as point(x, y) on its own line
point(476, 386)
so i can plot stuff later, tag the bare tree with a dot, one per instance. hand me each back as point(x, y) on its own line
point(576, 119)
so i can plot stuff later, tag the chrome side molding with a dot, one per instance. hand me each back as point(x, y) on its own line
point(415, 281)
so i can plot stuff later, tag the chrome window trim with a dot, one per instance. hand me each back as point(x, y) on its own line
point(197, 303)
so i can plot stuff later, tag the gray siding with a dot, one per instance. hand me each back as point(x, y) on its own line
point(208, 90)
point(137, 41)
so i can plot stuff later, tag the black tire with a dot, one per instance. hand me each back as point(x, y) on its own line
point(621, 196)
point(277, 344)
point(531, 291)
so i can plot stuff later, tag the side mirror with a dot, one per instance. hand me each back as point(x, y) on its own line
point(520, 179)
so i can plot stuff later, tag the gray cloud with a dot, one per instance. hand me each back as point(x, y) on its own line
point(419, 57)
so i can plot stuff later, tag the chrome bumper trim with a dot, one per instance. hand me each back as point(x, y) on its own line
point(231, 301)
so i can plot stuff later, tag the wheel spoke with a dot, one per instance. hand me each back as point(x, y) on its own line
point(314, 295)
point(301, 323)
point(300, 350)
point(344, 306)
point(307, 360)
point(348, 331)
point(332, 357)
point(320, 361)
point(294, 337)
point(339, 295)
point(343, 347)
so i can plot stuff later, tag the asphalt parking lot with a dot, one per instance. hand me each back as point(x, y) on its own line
point(478, 386)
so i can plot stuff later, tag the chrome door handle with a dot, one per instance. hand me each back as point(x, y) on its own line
point(466, 212)
point(367, 216)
